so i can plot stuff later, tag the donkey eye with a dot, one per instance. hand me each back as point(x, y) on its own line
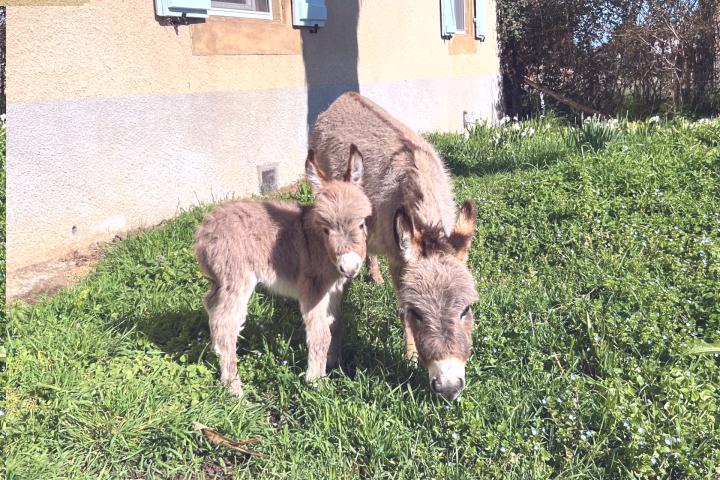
point(465, 312)
point(362, 224)
point(415, 314)
point(326, 230)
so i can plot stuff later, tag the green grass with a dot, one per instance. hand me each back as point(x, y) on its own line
point(598, 271)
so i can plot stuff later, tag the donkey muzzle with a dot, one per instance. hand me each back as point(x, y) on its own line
point(349, 264)
point(447, 377)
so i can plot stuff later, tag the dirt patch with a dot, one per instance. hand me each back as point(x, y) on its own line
point(31, 283)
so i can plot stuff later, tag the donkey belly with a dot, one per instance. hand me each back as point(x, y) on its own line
point(279, 285)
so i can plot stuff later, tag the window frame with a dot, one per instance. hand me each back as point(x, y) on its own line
point(241, 13)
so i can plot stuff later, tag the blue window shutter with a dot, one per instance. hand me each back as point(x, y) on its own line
point(309, 13)
point(182, 8)
point(480, 6)
point(447, 18)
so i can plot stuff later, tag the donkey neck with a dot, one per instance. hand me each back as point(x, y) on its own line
point(314, 257)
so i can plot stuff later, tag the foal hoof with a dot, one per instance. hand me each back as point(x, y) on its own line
point(312, 377)
point(235, 388)
point(376, 278)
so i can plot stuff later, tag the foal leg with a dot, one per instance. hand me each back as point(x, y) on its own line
point(227, 310)
point(317, 334)
point(373, 269)
point(410, 349)
point(337, 328)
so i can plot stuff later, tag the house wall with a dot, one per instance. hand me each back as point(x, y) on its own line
point(116, 119)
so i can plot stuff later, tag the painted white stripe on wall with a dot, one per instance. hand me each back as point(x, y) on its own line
point(109, 165)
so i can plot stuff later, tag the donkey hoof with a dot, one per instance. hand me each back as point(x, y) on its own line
point(377, 278)
point(311, 377)
point(411, 356)
point(235, 388)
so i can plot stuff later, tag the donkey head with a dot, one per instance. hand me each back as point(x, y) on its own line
point(339, 213)
point(436, 292)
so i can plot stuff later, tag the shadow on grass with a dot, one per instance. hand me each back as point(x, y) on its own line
point(185, 336)
point(505, 164)
point(487, 151)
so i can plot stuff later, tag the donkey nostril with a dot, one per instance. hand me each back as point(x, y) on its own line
point(434, 385)
point(462, 384)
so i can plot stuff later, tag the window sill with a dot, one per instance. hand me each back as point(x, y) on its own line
point(245, 35)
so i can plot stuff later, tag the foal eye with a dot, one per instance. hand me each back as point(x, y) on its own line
point(326, 230)
point(362, 225)
point(415, 314)
point(465, 312)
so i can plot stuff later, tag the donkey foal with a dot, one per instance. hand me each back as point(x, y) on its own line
point(303, 252)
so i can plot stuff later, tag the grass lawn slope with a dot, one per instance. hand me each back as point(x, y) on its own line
point(597, 259)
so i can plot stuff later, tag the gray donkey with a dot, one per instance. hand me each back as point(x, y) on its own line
point(306, 253)
point(414, 224)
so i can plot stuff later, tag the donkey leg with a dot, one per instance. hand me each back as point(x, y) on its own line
point(227, 310)
point(410, 349)
point(373, 269)
point(317, 336)
point(337, 329)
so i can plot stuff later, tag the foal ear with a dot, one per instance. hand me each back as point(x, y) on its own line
point(464, 230)
point(404, 231)
point(314, 174)
point(354, 172)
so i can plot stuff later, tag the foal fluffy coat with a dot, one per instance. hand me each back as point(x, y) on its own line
point(306, 253)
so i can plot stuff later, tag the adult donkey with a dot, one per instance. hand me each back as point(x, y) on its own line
point(414, 224)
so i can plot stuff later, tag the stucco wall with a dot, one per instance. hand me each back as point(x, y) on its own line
point(114, 123)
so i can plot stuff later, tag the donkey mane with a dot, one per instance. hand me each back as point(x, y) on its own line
point(433, 240)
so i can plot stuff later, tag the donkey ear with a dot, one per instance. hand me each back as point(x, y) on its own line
point(354, 172)
point(464, 230)
point(314, 174)
point(404, 235)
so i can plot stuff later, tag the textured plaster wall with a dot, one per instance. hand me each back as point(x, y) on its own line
point(114, 124)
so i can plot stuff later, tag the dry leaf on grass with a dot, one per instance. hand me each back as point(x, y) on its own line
point(219, 439)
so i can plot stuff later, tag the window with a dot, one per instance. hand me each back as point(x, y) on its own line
point(452, 17)
point(459, 11)
point(241, 8)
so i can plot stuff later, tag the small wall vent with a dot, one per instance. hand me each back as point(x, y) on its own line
point(268, 178)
